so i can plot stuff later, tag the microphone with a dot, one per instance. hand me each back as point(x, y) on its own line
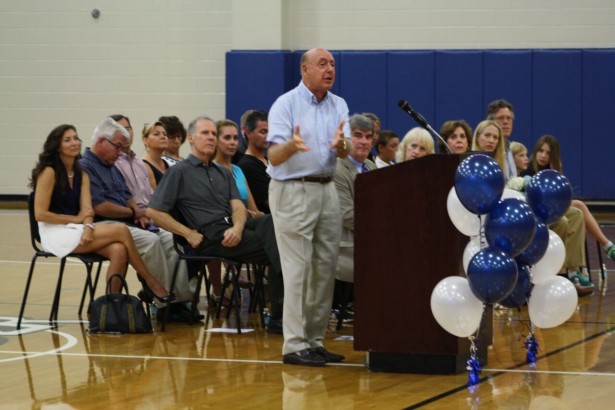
point(403, 104)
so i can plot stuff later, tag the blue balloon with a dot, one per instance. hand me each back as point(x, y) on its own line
point(521, 291)
point(492, 275)
point(479, 183)
point(510, 226)
point(537, 248)
point(549, 194)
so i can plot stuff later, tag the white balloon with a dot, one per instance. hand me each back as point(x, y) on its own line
point(470, 250)
point(511, 193)
point(552, 302)
point(455, 307)
point(551, 262)
point(465, 221)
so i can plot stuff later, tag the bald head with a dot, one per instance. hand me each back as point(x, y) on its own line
point(318, 71)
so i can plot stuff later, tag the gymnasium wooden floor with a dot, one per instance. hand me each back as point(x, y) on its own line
point(189, 367)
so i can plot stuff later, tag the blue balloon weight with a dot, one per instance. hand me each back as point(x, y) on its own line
point(537, 248)
point(510, 226)
point(521, 291)
point(479, 183)
point(492, 275)
point(549, 194)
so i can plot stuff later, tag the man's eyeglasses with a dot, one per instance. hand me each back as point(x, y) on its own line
point(504, 118)
point(118, 147)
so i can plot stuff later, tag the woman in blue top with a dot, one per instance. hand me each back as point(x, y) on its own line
point(63, 209)
point(228, 140)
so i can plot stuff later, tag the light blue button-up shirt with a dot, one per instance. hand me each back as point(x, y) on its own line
point(317, 122)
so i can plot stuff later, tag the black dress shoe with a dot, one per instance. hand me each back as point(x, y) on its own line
point(179, 314)
point(327, 355)
point(304, 357)
point(275, 326)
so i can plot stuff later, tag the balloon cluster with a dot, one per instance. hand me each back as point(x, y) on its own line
point(512, 257)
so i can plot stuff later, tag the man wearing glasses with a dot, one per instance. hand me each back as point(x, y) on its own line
point(113, 203)
point(503, 113)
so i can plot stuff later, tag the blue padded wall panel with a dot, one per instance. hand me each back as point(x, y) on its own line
point(254, 79)
point(361, 76)
point(557, 106)
point(410, 77)
point(459, 87)
point(598, 106)
point(508, 75)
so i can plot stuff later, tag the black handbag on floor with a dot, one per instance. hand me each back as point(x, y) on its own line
point(118, 312)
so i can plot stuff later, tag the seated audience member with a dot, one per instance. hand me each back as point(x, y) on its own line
point(386, 147)
point(134, 170)
point(214, 219)
point(156, 142)
point(254, 162)
point(176, 133)
point(63, 209)
point(361, 130)
point(377, 126)
point(416, 143)
point(503, 113)
point(546, 155)
point(226, 147)
point(243, 141)
point(519, 152)
point(113, 203)
point(458, 136)
point(488, 138)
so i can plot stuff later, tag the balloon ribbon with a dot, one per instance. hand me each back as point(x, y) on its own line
point(532, 348)
point(473, 367)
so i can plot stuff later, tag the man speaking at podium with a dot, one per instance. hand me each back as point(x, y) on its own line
point(306, 134)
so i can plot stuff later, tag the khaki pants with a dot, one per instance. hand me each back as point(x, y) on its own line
point(308, 230)
point(571, 228)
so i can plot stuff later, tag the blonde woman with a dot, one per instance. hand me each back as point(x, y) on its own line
point(416, 143)
point(488, 138)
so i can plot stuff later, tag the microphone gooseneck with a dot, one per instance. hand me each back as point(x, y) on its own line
point(405, 106)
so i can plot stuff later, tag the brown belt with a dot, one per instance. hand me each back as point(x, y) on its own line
point(320, 180)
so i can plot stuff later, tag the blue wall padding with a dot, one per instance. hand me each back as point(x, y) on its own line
point(410, 76)
point(363, 78)
point(569, 93)
point(506, 73)
point(557, 106)
point(598, 135)
point(459, 86)
point(254, 79)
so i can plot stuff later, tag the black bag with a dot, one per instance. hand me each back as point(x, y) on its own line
point(118, 312)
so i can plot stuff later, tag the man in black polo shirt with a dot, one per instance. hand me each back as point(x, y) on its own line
point(215, 221)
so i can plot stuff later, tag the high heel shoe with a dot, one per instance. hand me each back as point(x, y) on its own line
point(147, 295)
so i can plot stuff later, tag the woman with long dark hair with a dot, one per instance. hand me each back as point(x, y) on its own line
point(63, 209)
point(547, 155)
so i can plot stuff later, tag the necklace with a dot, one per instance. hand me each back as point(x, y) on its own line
point(70, 176)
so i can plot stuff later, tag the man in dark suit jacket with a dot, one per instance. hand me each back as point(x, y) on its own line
point(361, 136)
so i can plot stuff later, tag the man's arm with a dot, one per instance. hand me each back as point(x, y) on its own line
point(165, 221)
point(280, 153)
point(232, 236)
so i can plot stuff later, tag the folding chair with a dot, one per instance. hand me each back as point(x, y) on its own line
point(88, 259)
point(231, 277)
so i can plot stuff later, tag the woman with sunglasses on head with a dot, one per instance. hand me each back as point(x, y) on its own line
point(176, 133)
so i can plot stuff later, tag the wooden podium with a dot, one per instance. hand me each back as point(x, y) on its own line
point(405, 243)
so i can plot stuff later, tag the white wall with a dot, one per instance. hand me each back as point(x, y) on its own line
point(146, 58)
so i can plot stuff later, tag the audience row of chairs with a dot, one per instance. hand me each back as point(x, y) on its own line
point(230, 279)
